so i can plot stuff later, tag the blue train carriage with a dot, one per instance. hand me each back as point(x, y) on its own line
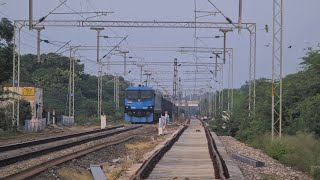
point(139, 104)
point(158, 110)
point(163, 105)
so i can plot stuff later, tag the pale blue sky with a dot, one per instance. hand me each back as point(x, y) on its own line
point(301, 19)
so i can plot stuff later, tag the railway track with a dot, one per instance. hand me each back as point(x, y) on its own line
point(191, 153)
point(22, 151)
point(32, 171)
point(36, 169)
point(47, 140)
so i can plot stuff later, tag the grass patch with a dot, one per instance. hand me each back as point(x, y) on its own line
point(111, 120)
point(301, 152)
point(268, 176)
point(139, 146)
point(73, 174)
point(10, 134)
point(146, 145)
point(115, 174)
point(135, 154)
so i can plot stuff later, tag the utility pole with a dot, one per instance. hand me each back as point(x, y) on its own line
point(125, 61)
point(221, 85)
point(216, 64)
point(98, 29)
point(240, 16)
point(38, 42)
point(215, 104)
point(175, 76)
point(180, 95)
point(71, 82)
point(116, 90)
point(212, 103)
point(30, 14)
point(148, 78)
point(229, 82)
point(118, 93)
point(108, 66)
point(141, 70)
point(277, 68)
point(225, 31)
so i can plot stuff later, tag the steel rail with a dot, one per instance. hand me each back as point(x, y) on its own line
point(48, 140)
point(221, 170)
point(29, 172)
point(21, 157)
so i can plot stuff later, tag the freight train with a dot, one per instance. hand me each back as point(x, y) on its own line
point(146, 105)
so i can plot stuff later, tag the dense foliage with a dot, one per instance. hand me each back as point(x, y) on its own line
point(6, 36)
point(52, 74)
point(301, 102)
point(300, 145)
point(6, 57)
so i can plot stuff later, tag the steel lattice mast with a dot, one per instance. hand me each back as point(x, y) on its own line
point(277, 68)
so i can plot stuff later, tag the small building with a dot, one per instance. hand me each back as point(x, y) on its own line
point(32, 94)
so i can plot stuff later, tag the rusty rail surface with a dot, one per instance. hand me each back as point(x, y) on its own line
point(221, 170)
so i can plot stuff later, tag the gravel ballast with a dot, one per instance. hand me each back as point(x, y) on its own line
point(272, 170)
point(16, 167)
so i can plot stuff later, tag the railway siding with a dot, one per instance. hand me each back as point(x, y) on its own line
point(191, 153)
point(188, 158)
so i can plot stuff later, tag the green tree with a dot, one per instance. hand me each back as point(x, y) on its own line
point(6, 51)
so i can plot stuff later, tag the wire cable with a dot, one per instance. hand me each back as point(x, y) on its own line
point(227, 18)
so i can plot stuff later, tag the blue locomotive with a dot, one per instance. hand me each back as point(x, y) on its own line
point(145, 105)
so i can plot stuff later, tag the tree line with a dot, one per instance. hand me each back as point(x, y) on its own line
point(301, 102)
point(52, 74)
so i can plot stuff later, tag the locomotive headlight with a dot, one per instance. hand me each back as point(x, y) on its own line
point(150, 107)
point(128, 107)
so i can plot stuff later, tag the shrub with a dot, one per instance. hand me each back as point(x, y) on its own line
point(81, 119)
point(277, 149)
point(301, 151)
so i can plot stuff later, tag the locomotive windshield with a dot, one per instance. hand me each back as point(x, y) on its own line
point(133, 94)
point(147, 94)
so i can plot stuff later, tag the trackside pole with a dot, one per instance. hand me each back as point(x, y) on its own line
point(54, 117)
point(166, 116)
point(48, 118)
point(103, 121)
point(160, 126)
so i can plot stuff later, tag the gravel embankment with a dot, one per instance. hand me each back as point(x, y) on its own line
point(272, 170)
point(16, 167)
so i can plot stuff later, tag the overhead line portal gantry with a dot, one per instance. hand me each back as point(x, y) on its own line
point(251, 27)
